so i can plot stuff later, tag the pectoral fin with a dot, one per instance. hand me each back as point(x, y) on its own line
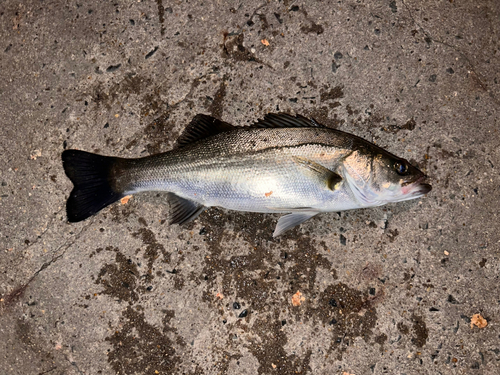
point(183, 210)
point(291, 220)
point(318, 172)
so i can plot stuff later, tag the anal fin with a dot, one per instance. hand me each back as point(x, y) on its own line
point(183, 210)
point(289, 221)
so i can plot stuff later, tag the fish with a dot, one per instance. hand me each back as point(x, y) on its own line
point(281, 164)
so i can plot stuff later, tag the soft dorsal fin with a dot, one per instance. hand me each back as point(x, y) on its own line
point(284, 120)
point(200, 127)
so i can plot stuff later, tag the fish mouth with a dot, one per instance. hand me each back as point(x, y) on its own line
point(421, 187)
point(416, 188)
point(424, 188)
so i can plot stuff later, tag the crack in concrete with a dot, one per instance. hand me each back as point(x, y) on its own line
point(66, 246)
point(47, 371)
point(73, 363)
point(471, 67)
point(40, 236)
point(17, 293)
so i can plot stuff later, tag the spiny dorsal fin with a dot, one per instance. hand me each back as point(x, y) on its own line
point(284, 120)
point(200, 127)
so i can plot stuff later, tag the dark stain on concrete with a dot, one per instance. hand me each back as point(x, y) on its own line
point(421, 333)
point(152, 251)
point(270, 349)
point(216, 108)
point(332, 94)
point(392, 234)
point(403, 328)
point(261, 280)
point(313, 28)
point(152, 104)
point(409, 125)
point(141, 348)
point(381, 339)
point(233, 48)
point(322, 115)
point(120, 213)
point(138, 347)
point(348, 312)
point(11, 298)
point(119, 279)
point(132, 84)
point(161, 16)
point(248, 276)
point(263, 20)
point(29, 337)
point(158, 133)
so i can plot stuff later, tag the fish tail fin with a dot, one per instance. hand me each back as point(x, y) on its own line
point(92, 190)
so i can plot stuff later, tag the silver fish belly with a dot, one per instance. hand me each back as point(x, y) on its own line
point(282, 164)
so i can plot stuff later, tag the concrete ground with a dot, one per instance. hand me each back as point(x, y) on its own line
point(385, 290)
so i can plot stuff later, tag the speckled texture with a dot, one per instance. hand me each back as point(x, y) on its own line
point(384, 290)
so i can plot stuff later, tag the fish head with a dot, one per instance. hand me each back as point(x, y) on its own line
point(377, 177)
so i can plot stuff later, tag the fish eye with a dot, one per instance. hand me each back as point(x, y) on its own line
point(401, 167)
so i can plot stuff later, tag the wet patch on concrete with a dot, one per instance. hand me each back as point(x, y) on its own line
point(29, 338)
point(132, 84)
point(138, 346)
point(120, 279)
point(409, 125)
point(161, 16)
point(327, 94)
point(250, 277)
point(152, 251)
point(216, 108)
point(313, 27)
point(233, 48)
point(12, 297)
point(157, 134)
point(120, 213)
point(420, 331)
point(264, 281)
point(270, 349)
point(381, 339)
point(322, 115)
point(349, 313)
point(141, 348)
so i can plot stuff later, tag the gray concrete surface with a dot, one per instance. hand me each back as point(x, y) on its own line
point(386, 290)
